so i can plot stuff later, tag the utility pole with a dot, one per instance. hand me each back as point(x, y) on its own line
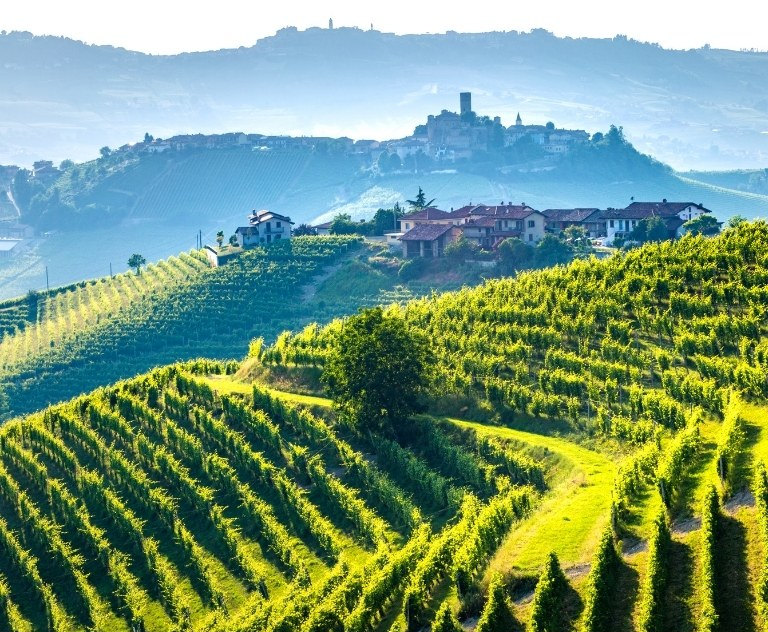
point(110, 270)
point(47, 285)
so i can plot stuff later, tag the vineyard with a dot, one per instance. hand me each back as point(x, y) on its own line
point(594, 459)
point(161, 504)
point(656, 357)
point(56, 344)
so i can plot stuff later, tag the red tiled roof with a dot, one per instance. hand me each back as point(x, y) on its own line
point(427, 213)
point(569, 214)
point(485, 222)
point(664, 207)
point(625, 213)
point(426, 232)
point(510, 211)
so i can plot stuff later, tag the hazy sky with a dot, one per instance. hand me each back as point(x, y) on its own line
point(169, 26)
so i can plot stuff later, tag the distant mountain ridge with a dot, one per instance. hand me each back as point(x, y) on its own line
point(702, 109)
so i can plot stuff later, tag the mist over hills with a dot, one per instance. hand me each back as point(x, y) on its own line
point(698, 109)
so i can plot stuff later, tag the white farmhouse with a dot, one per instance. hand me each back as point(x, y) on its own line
point(264, 227)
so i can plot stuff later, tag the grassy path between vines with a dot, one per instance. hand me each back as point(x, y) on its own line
point(572, 516)
point(569, 520)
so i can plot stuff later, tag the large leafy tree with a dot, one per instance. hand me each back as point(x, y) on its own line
point(514, 254)
point(702, 225)
point(552, 250)
point(136, 261)
point(378, 370)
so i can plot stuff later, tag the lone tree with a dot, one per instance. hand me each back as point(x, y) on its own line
point(136, 261)
point(420, 202)
point(220, 238)
point(378, 370)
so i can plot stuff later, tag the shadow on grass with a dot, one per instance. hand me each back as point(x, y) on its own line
point(733, 598)
point(677, 609)
point(625, 593)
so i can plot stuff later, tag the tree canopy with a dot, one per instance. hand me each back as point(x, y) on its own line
point(135, 261)
point(378, 370)
point(702, 225)
point(421, 201)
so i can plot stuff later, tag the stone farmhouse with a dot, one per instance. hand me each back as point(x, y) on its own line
point(427, 232)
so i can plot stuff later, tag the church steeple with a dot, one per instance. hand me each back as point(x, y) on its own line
point(518, 120)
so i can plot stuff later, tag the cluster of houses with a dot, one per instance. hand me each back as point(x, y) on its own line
point(427, 232)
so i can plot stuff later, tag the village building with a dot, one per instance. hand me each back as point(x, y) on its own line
point(619, 223)
point(429, 215)
point(16, 231)
point(9, 248)
point(427, 240)
point(323, 229)
point(219, 256)
point(590, 219)
point(490, 225)
point(427, 232)
point(264, 227)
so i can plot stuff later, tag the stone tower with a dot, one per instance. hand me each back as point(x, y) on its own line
point(518, 121)
point(465, 102)
point(330, 24)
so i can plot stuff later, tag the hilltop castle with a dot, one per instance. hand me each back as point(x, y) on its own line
point(454, 136)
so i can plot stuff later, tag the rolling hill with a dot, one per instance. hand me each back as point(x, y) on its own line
point(592, 459)
point(57, 344)
point(694, 109)
point(96, 214)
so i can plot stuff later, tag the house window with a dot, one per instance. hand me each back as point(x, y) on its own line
point(611, 223)
point(530, 237)
point(519, 224)
point(531, 223)
point(278, 224)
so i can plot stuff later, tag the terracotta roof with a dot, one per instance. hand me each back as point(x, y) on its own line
point(569, 214)
point(426, 213)
point(486, 221)
point(664, 207)
point(625, 213)
point(426, 232)
point(510, 211)
point(324, 225)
